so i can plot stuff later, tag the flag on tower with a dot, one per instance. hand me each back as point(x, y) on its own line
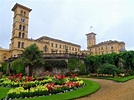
point(91, 26)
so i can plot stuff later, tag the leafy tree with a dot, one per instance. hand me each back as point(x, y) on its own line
point(4, 67)
point(76, 63)
point(17, 67)
point(32, 56)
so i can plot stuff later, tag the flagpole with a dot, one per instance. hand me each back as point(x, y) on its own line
point(90, 28)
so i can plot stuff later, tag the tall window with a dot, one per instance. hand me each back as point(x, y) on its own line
point(20, 27)
point(18, 44)
point(24, 13)
point(19, 34)
point(56, 45)
point(22, 45)
point(45, 48)
point(21, 12)
point(51, 44)
point(60, 46)
point(23, 35)
point(23, 28)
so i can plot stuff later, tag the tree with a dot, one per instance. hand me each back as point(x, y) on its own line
point(32, 56)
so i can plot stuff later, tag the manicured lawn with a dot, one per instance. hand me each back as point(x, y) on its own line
point(122, 79)
point(90, 88)
point(3, 92)
point(117, 79)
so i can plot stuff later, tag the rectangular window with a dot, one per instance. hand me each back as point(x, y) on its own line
point(18, 44)
point(51, 44)
point(22, 45)
point(56, 45)
point(60, 46)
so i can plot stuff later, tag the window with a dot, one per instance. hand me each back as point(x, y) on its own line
point(20, 27)
point(21, 12)
point(23, 28)
point(60, 46)
point(24, 13)
point(51, 44)
point(45, 48)
point(72, 48)
point(56, 45)
point(23, 35)
point(18, 44)
point(19, 35)
point(69, 48)
point(111, 47)
point(22, 45)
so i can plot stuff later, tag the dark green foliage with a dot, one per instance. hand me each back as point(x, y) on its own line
point(76, 64)
point(17, 66)
point(56, 64)
point(4, 67)
point(108, 69)
point(32, 56)
point(126, 58)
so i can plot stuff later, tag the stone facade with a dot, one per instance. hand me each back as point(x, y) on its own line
point(105, 47)
point(20, 40)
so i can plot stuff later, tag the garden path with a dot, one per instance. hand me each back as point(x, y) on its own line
point(111, 90)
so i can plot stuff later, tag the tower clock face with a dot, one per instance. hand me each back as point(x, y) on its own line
point(22, 19)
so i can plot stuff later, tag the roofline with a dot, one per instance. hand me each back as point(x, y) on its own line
point(19, 5)
point(49, 38)
point(91, 33)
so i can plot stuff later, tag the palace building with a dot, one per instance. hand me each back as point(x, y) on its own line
point(105, 47)
point(20, 40)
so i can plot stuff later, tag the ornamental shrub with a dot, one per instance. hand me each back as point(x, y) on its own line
point(107, 68)
point(4, 67)
point(17, 67)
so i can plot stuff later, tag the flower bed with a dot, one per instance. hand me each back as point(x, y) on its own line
point(29, 86)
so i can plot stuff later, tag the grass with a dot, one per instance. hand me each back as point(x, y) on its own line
point(3, 92)
point(121, 79)
point(117, 79)
point(90, 88)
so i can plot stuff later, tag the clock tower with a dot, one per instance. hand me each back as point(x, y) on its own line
point(91, 40)
point(20, 28)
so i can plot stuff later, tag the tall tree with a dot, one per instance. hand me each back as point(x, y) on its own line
point(31, 57)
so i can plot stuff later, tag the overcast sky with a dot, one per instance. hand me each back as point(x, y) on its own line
point(70, 20)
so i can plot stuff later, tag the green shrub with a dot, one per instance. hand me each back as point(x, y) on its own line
point(107, 68)
point(17, 66)
point(4, 67)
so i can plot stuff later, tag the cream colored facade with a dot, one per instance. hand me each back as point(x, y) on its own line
point(105, 47)
point(20, 40)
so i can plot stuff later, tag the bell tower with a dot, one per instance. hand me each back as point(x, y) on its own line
point(91, 40)
point(20, 28)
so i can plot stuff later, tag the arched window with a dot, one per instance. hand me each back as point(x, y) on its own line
point(19, 35)
point(21, 12)
point(20, 27)
point(23, 28)
point(23, 35)
point(24, 13)
point(22, 45)
point(45, 49)
point(18, 44)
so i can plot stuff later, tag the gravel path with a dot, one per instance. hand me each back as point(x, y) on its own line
point(111, 90)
